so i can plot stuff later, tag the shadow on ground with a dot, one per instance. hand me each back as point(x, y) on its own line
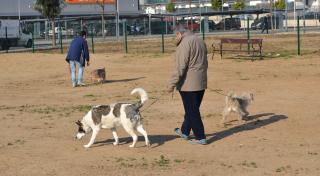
point(155, 140)
point(114, 81)
point(246, 127)
point(158, 140)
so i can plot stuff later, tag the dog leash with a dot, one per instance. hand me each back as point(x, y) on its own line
point(217, 91)
point(156, 100)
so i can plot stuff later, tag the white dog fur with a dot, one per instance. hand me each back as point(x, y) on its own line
point(112, 116)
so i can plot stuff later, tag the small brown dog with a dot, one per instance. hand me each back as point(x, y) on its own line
point(237, 104)
point(98, 75)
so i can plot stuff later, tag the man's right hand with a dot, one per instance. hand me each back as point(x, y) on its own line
point(88, 63)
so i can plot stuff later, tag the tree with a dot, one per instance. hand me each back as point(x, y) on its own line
point(239, 5)
point(50, 9)
point(170, 7)
point(216, 4)
point(101, 4)
point(280, 4)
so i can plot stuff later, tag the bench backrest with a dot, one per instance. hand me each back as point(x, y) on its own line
point(241, 41)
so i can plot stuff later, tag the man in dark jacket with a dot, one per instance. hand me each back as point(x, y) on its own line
point(265, 25)
point(78, 55)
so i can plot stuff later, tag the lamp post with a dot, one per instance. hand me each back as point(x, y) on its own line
point(19, 12)
point(117, 19)
point(286, 15)
point(200, 15)
point(294, 13)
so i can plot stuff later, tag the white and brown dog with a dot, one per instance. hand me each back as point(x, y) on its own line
point(113, 115)
point(237, 104)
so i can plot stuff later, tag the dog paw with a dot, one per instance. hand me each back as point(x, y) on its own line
point(131, 146)
point(115, 143)
point(148, 144)
point(86, 146)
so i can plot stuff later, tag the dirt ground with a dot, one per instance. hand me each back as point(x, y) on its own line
point(38, 108)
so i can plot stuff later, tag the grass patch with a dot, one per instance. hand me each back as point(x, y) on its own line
point(89, 96)
point(82, 108)
point(162, 162)
point(249, 164)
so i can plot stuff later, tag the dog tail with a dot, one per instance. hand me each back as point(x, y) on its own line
point(229, 96)
point(143, 94)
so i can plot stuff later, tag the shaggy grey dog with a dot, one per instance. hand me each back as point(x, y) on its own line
point(237, 104)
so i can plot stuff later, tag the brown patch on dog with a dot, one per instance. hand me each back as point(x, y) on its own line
point(98, 75)
point(97, 113)
point(116, 109)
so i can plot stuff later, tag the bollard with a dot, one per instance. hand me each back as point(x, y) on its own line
point(92, 43)
point(248, 35)
point(298, 34)
point(162, 34)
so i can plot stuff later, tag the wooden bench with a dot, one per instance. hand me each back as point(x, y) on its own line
point(251, 42)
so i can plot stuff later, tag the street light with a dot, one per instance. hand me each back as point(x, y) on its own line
point(19, 10)
point(294, 13)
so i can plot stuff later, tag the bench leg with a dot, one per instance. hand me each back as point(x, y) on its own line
point(260, 49)
point(221, 50)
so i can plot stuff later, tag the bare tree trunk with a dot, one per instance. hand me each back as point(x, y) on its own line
point(53, 32)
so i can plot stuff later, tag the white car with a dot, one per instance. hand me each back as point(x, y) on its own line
point(64, 32)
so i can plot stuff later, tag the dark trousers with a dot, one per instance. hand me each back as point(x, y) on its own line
point(192, 118)
point(265, 28)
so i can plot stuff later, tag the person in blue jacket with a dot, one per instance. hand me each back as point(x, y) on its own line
point(78, 54)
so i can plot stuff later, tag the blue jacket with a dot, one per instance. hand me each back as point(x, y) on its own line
point(78, 51)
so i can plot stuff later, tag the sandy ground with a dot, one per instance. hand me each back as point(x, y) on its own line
point(38, 108)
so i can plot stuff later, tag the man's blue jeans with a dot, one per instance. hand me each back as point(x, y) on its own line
point(73, 67)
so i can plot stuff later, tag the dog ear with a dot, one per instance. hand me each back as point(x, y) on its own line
point(251, 95)
point(78, 123)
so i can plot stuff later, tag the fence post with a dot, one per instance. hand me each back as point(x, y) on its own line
point(92, 43)
point(32, 41)
point(248, 35)
point(162, 34)
point(60, 38)
point(125, 35)
point(7, 45)
point(202, 30)
point(298, 34)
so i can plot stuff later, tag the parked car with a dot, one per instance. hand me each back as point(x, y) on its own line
point(229, 24)
point(312, 15)
point(64, 32)
point(258, 23)
point(13, 33)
